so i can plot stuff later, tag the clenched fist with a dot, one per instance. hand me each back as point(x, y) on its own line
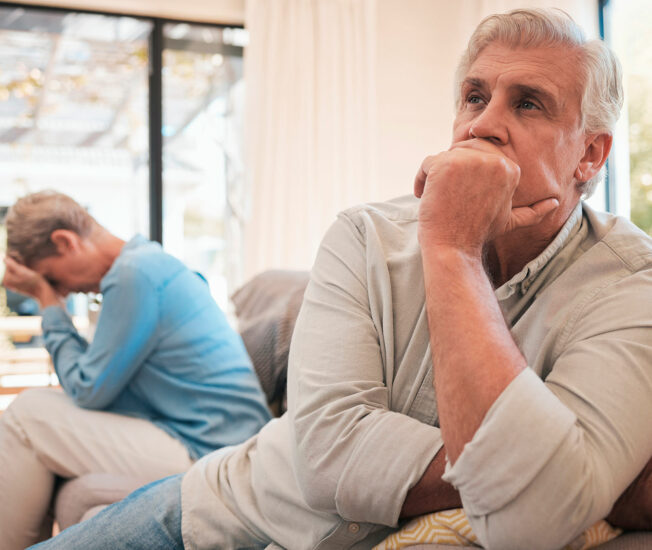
point(466, 197)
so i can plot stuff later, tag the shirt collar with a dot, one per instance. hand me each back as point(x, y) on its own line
point(135, 241)
point(524, 278)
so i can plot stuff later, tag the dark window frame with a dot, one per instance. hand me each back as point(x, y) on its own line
point(609, 185)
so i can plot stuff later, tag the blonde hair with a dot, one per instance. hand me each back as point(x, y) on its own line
point(31, 221)
point(601, 74)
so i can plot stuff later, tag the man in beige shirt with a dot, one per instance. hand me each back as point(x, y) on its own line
point(494, 335)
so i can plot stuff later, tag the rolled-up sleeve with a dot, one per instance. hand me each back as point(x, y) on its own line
point(353, 455)
point(526, 417)
point(550, 458)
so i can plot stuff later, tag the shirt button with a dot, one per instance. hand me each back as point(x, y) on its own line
point(353, 527)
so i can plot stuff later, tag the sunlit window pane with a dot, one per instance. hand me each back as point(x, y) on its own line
point(73, 112)
point(628, 26)
point(202, 185)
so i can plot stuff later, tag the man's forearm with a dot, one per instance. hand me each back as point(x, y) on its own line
point(474, 355)
point(633, 510)
point(431, 493)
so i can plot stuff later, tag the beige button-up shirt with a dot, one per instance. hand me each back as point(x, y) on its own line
point(552, 454)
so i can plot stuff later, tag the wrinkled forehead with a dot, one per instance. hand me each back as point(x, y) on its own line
point(553, 62)
point(476, 47)
point(555, 69)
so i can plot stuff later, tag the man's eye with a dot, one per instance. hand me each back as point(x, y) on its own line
point(474, 101)
point(527, 105)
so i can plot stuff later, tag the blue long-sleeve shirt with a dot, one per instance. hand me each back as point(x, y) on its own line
point(163, 350)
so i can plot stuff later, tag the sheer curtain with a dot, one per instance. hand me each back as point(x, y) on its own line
point(310, 126)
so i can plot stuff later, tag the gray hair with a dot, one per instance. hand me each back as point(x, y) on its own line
point(31, 221)
point(601, 77)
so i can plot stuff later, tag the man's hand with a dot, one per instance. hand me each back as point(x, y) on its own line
point(633, 510)
point(23, 280)
point(466, 197)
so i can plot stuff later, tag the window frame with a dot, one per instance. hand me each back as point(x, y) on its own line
point(609, 197)
point(617, 178)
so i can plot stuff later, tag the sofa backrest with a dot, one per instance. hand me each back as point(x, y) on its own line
point(267, 307)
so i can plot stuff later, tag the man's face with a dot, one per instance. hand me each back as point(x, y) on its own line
point(70, 271)
point(526, 102)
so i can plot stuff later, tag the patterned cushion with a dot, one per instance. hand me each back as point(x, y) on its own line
point(452, 528)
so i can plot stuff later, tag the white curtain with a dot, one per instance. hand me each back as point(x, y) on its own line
point(310, 124)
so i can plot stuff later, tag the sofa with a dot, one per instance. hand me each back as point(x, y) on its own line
point(266, 309)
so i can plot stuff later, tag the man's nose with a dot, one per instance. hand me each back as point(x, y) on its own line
point(491, 124)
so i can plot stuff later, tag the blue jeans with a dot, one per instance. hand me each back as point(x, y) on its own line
point(148, 518)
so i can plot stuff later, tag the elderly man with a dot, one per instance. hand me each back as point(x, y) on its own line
point(164, 381)
point(497, 307)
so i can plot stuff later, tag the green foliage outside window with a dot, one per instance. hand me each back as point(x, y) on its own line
point(640, 150)
point(631, 28)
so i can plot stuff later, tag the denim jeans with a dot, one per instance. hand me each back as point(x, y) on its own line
point(148, 518)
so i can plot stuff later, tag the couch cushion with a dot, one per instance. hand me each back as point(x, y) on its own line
point(629, 541)
point(267, 307)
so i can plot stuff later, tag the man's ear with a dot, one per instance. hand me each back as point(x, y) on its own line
point(596, 151)
point(65, 240)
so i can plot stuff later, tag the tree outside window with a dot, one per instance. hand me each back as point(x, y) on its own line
point(628, 28)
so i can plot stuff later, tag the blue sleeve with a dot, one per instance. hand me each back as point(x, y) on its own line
point(94, 375)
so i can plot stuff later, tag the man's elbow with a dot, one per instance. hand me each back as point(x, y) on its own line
point(533, 533)
point(84, 401)
point(548, 522)
point(87, 397)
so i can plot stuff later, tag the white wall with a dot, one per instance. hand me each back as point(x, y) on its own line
point(417, 50)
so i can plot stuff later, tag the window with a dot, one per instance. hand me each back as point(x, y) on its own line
point(73, 112)
point(627, 24)
point(138, 120)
